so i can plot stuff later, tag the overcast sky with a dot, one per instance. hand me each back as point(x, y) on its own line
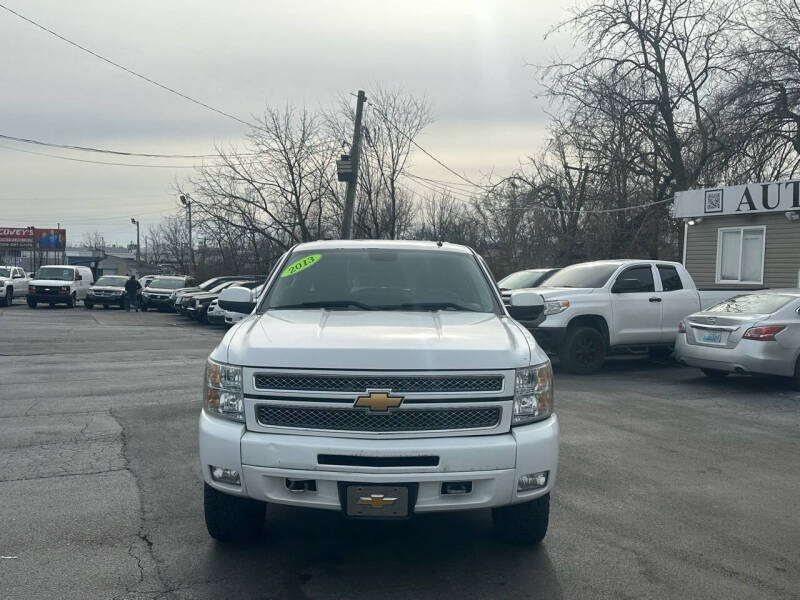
point(467, 57)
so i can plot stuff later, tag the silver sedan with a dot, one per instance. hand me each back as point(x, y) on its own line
point(754, 333)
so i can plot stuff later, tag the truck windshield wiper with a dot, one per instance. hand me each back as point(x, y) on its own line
point(325, 304)
point(428, 306)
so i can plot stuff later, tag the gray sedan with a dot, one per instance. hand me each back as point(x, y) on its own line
point(754, 333)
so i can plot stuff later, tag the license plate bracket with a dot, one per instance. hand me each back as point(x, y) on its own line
point(712, 337)
point(377, 501)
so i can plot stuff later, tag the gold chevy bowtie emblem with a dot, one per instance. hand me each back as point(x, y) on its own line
point(377, 500)
point(378, 401)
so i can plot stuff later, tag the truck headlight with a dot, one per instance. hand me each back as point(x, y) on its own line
point(222, 391)
point(553, 307)
point(533, 394)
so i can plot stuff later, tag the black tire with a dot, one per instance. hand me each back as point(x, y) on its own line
point(795, 381)
point(231, 518)
point(9, 297)
point(51, 304)
point(143, 308)
point(31, 304)
point(524, 523)
point(659, 353)
point(715, 374)
point(583, 350)
point(88, 305)
point(71, 302)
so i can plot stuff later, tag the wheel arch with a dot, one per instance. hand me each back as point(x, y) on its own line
point(594, 321)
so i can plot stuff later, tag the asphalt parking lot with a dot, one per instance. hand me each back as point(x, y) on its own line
point(670, 486)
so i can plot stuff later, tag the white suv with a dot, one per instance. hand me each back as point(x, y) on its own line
point(380, 379)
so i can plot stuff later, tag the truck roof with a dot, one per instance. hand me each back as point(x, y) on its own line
point(622, 261)
point(396, 244)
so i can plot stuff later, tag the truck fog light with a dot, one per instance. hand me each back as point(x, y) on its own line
point(224, 475)
point(532, 481)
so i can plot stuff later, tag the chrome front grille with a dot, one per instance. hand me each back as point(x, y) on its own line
point(402, 420)
point(361, 383)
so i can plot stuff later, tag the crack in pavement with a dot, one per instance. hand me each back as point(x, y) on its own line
point(142, 538)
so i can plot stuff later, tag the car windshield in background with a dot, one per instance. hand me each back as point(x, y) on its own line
point(221, 286)
point(382, 279)
point(5, 273)
point(167, 284)
point(208, 283)
point(759, 304)
point(582, 276)
point(55, 273)
point(113, 281)
point(522, 279)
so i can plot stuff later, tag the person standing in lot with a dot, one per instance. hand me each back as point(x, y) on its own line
point(132, 288)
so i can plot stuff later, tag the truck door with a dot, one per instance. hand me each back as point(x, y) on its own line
point(635, 307)
point(676, 301)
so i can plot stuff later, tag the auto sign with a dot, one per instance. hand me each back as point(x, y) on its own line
point(16, 237)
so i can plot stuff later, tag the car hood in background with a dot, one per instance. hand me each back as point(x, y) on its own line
point(554, 293)
point(385, 340)
point(107, 288)
point(49, 282)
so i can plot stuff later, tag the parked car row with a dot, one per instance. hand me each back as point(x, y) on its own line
point(197, 303)
point(594, 309)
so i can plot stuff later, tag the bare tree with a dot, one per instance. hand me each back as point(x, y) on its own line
point(93, 240)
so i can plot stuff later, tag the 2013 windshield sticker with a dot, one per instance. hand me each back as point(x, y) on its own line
point(301, 264)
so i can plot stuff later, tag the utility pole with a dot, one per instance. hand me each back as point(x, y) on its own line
point(138, 255)
point(355, 154)
point(187, 202)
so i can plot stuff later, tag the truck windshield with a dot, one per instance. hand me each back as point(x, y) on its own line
point(56, 273)
point(582, 276)
point(522, 279)
point(113, 281)
point(167, 284)
point(5, 272)
point(759, 304)
point(382, 279)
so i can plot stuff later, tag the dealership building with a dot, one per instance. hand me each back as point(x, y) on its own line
point(742, 236)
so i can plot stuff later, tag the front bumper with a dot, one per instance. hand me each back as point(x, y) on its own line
point(493, 463)
point(109, 300)
point(748, 356)
point(50, 298)
point(157, 302)
point(215, 318)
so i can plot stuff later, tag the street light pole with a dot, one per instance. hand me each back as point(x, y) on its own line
point(138, 255)
point(186, 200)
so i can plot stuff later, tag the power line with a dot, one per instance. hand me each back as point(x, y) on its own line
point(106, 151)
point(126, 69)
point(425, 152)
point(97, 162)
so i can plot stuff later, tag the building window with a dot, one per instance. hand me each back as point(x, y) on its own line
point(740, 254)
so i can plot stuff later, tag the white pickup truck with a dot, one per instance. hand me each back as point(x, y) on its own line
point(595, 308)
point(13, 284)
point(380, 379)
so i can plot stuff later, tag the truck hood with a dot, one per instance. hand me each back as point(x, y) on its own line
point(49, 282)
point(381, 340)
point(556, 293)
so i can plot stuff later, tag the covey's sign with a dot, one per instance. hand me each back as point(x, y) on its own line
point(16, 237)
point(775, 196)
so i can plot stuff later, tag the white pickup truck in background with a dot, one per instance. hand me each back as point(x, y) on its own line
point(595, 308)
point(13, 284)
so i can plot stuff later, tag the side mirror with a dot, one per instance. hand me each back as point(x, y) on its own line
point(525, 305)
point(78, 277)
point(626, 286)
point(236, 299)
